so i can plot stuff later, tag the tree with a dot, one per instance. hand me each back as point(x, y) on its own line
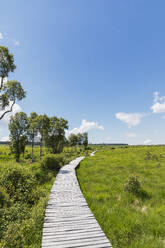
point(6, 64)
point(10, 91)
point(85, 140)
point(43, 127)
point(79, 139)
point(56, 134)
point(23, 143)
point(32, 129)
point(73, 139)
point(18, 126)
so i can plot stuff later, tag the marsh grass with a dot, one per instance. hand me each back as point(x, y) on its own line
point(129, 219)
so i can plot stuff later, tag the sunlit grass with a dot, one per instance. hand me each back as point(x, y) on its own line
point(128, 219)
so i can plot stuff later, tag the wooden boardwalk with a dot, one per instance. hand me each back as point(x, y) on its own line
point(68, 220)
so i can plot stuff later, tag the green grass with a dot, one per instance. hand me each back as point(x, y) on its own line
point(134, 220)
point(24, 192)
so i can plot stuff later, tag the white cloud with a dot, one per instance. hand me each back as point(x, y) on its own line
point(85, 127)
point(1, 36)
point(4, 80)
point(132, 135)
point(159, 103)
point(158, 107)
point(132, 119)
point(108, 138)
point(147, 142)
point(16, 108)
point(16, 43)
point(5, 138)
point(5, 121)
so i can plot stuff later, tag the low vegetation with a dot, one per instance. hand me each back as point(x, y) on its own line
point(24, 191)
point(125, 189)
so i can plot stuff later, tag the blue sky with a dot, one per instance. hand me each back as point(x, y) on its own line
point(99, 61)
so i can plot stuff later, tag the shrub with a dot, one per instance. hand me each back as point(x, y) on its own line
point(26, 232)
point(13, 237)
point(4, 198)
point(89, 148)
point(28, 156)
point(19, 183)
point(52, 162)
point(133, 185)
point(41, 175)
point(150, 156)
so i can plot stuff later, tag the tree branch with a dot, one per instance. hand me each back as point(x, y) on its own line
point(1, 85)
point(8, 111)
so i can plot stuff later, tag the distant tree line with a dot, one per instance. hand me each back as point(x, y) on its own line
point(48, 131)
point(24, 129)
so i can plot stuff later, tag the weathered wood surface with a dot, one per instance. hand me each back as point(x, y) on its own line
point(93, 153)
point(68, 220)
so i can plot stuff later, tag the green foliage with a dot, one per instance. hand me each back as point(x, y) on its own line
point(32, 129)
point(85, 139)
point(6, 62)
point(19, 183)
point(150, 156)
point(14, 90)
point(26, 233)
point(52, 162)
point(79, 139)
point(43, 127)
point(18, 127)
point(10, 90)
point(73, 139)
point(133, 185)
point(23, 196)
point(56, 134)
point(4, 198)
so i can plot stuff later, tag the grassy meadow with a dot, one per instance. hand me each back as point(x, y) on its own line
point(24, 192)
point(130, 211)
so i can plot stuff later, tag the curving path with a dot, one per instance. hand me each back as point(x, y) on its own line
point(68, 220)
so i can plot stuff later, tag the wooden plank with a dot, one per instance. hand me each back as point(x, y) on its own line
point(68, 220)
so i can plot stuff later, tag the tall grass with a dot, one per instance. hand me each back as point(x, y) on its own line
point(130, 218)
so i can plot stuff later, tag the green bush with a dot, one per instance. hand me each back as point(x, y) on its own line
point(26, 232)
point(4, 198)
point(53, 162)
point(19, 183)
point(41, 176)
point(13, 237)
point(28, 156)
point(133, 185)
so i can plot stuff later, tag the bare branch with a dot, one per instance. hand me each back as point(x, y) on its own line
point(8, 111)
point(1, 85)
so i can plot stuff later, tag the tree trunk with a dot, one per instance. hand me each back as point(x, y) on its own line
point(17, 153)
point(32, 150)
point(40, 148)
